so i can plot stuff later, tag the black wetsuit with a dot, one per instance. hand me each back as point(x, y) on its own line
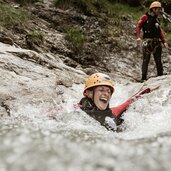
point(152, 38)
point(105, 117)
point(151, 30)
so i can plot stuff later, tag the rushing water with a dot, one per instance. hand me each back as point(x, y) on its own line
point(62, 138)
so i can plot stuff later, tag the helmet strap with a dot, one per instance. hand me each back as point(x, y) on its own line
point(93, 94)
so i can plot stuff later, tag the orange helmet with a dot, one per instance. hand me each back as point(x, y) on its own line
point(98, 79)
point(155, 4)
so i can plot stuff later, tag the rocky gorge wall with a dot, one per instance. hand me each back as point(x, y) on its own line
point(35, 72)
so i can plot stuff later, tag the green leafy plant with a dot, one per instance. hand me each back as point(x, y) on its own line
point(36, 37)
point(10, 16)
point(76, 37)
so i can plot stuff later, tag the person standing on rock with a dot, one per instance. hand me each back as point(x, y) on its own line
point(151, 39)
point(97, 94)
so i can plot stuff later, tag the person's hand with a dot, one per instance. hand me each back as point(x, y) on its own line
point(139, 44)
point(166, 45)
point(140, 93)
point(139, 40)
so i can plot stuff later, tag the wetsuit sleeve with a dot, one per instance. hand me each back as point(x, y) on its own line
point(162, 36)
point(139, 25)
point(117, 111)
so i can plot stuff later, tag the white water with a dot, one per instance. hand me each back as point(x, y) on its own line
point(61, 138)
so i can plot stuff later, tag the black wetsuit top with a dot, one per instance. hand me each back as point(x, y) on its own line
point(105, 117)
point(151, 27)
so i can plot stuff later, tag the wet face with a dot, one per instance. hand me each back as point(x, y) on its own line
point(102, 96)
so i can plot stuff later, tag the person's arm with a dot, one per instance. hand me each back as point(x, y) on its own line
point(162, 36)
point(139, 26)
point(117, 111)
point(163, 39)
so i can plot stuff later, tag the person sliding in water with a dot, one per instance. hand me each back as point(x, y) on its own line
point(97, 94)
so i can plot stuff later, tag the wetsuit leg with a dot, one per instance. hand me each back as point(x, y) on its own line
point(157, 59)
point(146, 59)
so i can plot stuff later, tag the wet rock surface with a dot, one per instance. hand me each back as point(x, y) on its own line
point(35, 71)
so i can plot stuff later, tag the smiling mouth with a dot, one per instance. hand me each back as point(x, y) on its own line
point(104, 100)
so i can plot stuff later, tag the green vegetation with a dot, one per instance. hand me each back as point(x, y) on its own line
point(36, 37)
point(121, 9)
point(10, 16)
point(95, 7)
point(111, 8)
point(26, 2)
point(76, 38)
point(167, 29)
point(89, 7)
